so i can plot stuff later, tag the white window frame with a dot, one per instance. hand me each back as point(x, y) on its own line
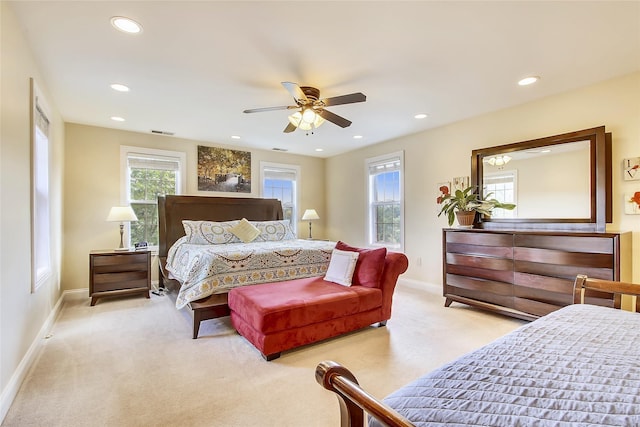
point(370, 225)
point(264, 166)
point(125, 185)
point(41, 131)
point(503, 213)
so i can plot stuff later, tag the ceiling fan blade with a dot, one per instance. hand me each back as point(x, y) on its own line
point(345, 99)
point(296, 92)
point(290, 128)
point(259, 110)
point(334, 118)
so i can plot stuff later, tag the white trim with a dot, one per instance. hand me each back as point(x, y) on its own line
point(10, 392)
point(513, 173)
point(298, 187)
point(38, 102)
point(125, 151)
point(368, 224)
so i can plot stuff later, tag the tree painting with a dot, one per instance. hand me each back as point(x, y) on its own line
point(221, 169)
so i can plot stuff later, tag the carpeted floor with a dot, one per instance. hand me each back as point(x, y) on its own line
point(132, 362)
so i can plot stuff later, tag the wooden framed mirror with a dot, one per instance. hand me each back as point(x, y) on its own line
point(560, 182)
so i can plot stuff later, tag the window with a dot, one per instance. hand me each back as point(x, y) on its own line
point(149, 173)
point(502, 185)
point(40, 206)
point(386, 201)
point(280, 181)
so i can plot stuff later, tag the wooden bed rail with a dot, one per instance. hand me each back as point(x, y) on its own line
point(354, 401)
point(606, 290)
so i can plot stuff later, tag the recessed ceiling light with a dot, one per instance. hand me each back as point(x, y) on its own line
point(235, 137)
point(319, 149)
point(420, 116)
point(528, 80)
point(117, 119)
point(119, 87)
point(357, 136)
point(126, 25)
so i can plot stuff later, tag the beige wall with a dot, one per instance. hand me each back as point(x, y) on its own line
point(22, 314)
point(92, 186)
point(85, 172)
point(440, 154)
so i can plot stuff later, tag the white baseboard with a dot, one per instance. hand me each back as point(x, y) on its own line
point(11, 390)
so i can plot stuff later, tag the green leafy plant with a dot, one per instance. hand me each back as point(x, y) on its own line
point(468, 200)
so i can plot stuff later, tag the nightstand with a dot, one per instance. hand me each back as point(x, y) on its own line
point(114, 273)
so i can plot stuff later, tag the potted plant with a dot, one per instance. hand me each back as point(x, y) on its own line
point(464, 204)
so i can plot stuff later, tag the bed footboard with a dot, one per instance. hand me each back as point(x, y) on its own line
point(354, 401)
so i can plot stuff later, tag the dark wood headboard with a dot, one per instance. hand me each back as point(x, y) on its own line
point(173, 209)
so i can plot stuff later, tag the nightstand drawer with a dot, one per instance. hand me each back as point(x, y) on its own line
point(120, 260)
point(116, 281)
point(99, 268)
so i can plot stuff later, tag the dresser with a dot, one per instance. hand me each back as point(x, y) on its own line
point(527, 274)
point(114, 273)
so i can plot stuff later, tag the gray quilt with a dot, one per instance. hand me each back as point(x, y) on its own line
point(578, 366)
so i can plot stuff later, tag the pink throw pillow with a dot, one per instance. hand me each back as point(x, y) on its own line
point(369, 266)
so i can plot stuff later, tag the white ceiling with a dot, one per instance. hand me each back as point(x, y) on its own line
point(197, 65)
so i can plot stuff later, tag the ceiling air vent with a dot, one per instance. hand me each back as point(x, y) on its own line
point(279, 149)
point(162, 132)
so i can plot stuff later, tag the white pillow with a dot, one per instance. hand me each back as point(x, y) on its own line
point(273, 231)
point(209, 232)
point(341, 267)
point(245, 231)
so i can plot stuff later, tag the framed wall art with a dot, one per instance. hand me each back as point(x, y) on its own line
point(631, 168)
point(632, 203)
point(222, 169)
point(460, 183)
point(443, 188)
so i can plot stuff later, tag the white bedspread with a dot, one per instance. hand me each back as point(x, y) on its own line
point(578, 366)
point(203, 270)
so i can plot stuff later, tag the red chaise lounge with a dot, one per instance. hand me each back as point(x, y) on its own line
point(275, 317)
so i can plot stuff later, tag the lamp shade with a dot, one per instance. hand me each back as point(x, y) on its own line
point(122, 214)
point(310, 214)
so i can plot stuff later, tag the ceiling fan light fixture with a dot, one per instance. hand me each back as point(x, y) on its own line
point(498, 160)
point(299, 120)
point(308, 115)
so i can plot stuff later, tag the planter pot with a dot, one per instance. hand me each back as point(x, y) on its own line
point(466, 218)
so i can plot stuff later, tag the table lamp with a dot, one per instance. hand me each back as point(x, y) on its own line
point(310, 215)
point(121, 214)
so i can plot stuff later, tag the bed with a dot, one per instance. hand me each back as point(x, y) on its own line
point(577, 366)
point(202, 264)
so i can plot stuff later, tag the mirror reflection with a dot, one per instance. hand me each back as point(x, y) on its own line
point(552, 181)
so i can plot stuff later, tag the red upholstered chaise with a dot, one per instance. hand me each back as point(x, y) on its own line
point(280, 316)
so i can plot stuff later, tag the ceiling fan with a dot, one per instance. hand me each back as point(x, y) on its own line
point(311, 109)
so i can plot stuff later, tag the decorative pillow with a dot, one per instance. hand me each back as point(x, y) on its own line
point(273, 231)
point(370, 264)
point(209, 232)
point(245, 231)
point(341, 267)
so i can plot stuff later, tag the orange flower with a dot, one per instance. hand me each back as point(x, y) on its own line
point(636, 198)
